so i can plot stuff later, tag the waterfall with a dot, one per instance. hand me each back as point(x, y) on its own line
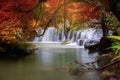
point(61, 36)
point(80, 37)
point(69, 35)
point(51, 35)
point(89, 36)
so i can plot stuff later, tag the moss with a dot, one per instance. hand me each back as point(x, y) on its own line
point(16, 49)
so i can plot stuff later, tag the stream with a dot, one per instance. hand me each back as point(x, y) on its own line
point(51, 57)
point(42, 65)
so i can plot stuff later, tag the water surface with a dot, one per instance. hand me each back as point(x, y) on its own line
point(42, 65)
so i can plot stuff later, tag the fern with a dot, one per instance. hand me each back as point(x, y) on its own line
point(114, 37)
point(116, 44)
point(116, 48)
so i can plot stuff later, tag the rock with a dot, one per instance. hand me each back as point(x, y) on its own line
point(92, 45)
point(91, 42)
point(74, 70)
point(80, 42)
point(65, 42)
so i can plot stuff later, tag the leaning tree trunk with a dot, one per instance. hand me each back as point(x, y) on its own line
point(103, 25)
point(104, 42)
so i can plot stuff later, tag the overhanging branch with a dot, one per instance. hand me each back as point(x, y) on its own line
point(53, 15)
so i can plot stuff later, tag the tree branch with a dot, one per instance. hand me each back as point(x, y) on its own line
point(110, 64)
point(51, 18)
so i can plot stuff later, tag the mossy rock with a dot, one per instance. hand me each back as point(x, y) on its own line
point(15, 50)
point(65, 42)
point(74, 70)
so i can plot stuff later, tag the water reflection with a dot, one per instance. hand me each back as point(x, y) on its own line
point(41, 66)
point(62, 56)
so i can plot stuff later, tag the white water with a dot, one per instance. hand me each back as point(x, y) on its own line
point(80, 37)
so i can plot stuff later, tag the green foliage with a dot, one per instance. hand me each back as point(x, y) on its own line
point(114, 37)
point(38, 12)
point(116, 48)
point(77, 27)
point(116, 44)
point(111, 21)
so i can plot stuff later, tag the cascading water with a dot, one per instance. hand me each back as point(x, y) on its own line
point(51, 35)
point(81, 37)
point(84, 37)
point(89, 36)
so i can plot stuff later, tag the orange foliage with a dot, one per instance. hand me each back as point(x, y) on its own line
point(81, 12)
point(75, 11)
point(13, 17)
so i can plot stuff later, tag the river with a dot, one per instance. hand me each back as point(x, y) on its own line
point(42, 65)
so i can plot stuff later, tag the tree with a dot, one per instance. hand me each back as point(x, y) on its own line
point(75, 14)
point(16, 18)
point(17, 25)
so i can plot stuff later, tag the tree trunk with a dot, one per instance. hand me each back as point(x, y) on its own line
point(103, 25)
point(104, 42)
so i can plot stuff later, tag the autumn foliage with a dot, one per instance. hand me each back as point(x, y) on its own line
point(18, 23)
point(75, 11)
point(15, 18)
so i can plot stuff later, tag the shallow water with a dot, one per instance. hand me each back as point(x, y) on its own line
point(42, 65)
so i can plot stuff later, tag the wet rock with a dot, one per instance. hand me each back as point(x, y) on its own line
point(92, 45)
point(80, 42)
point(65, 42)
point(91, 42)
